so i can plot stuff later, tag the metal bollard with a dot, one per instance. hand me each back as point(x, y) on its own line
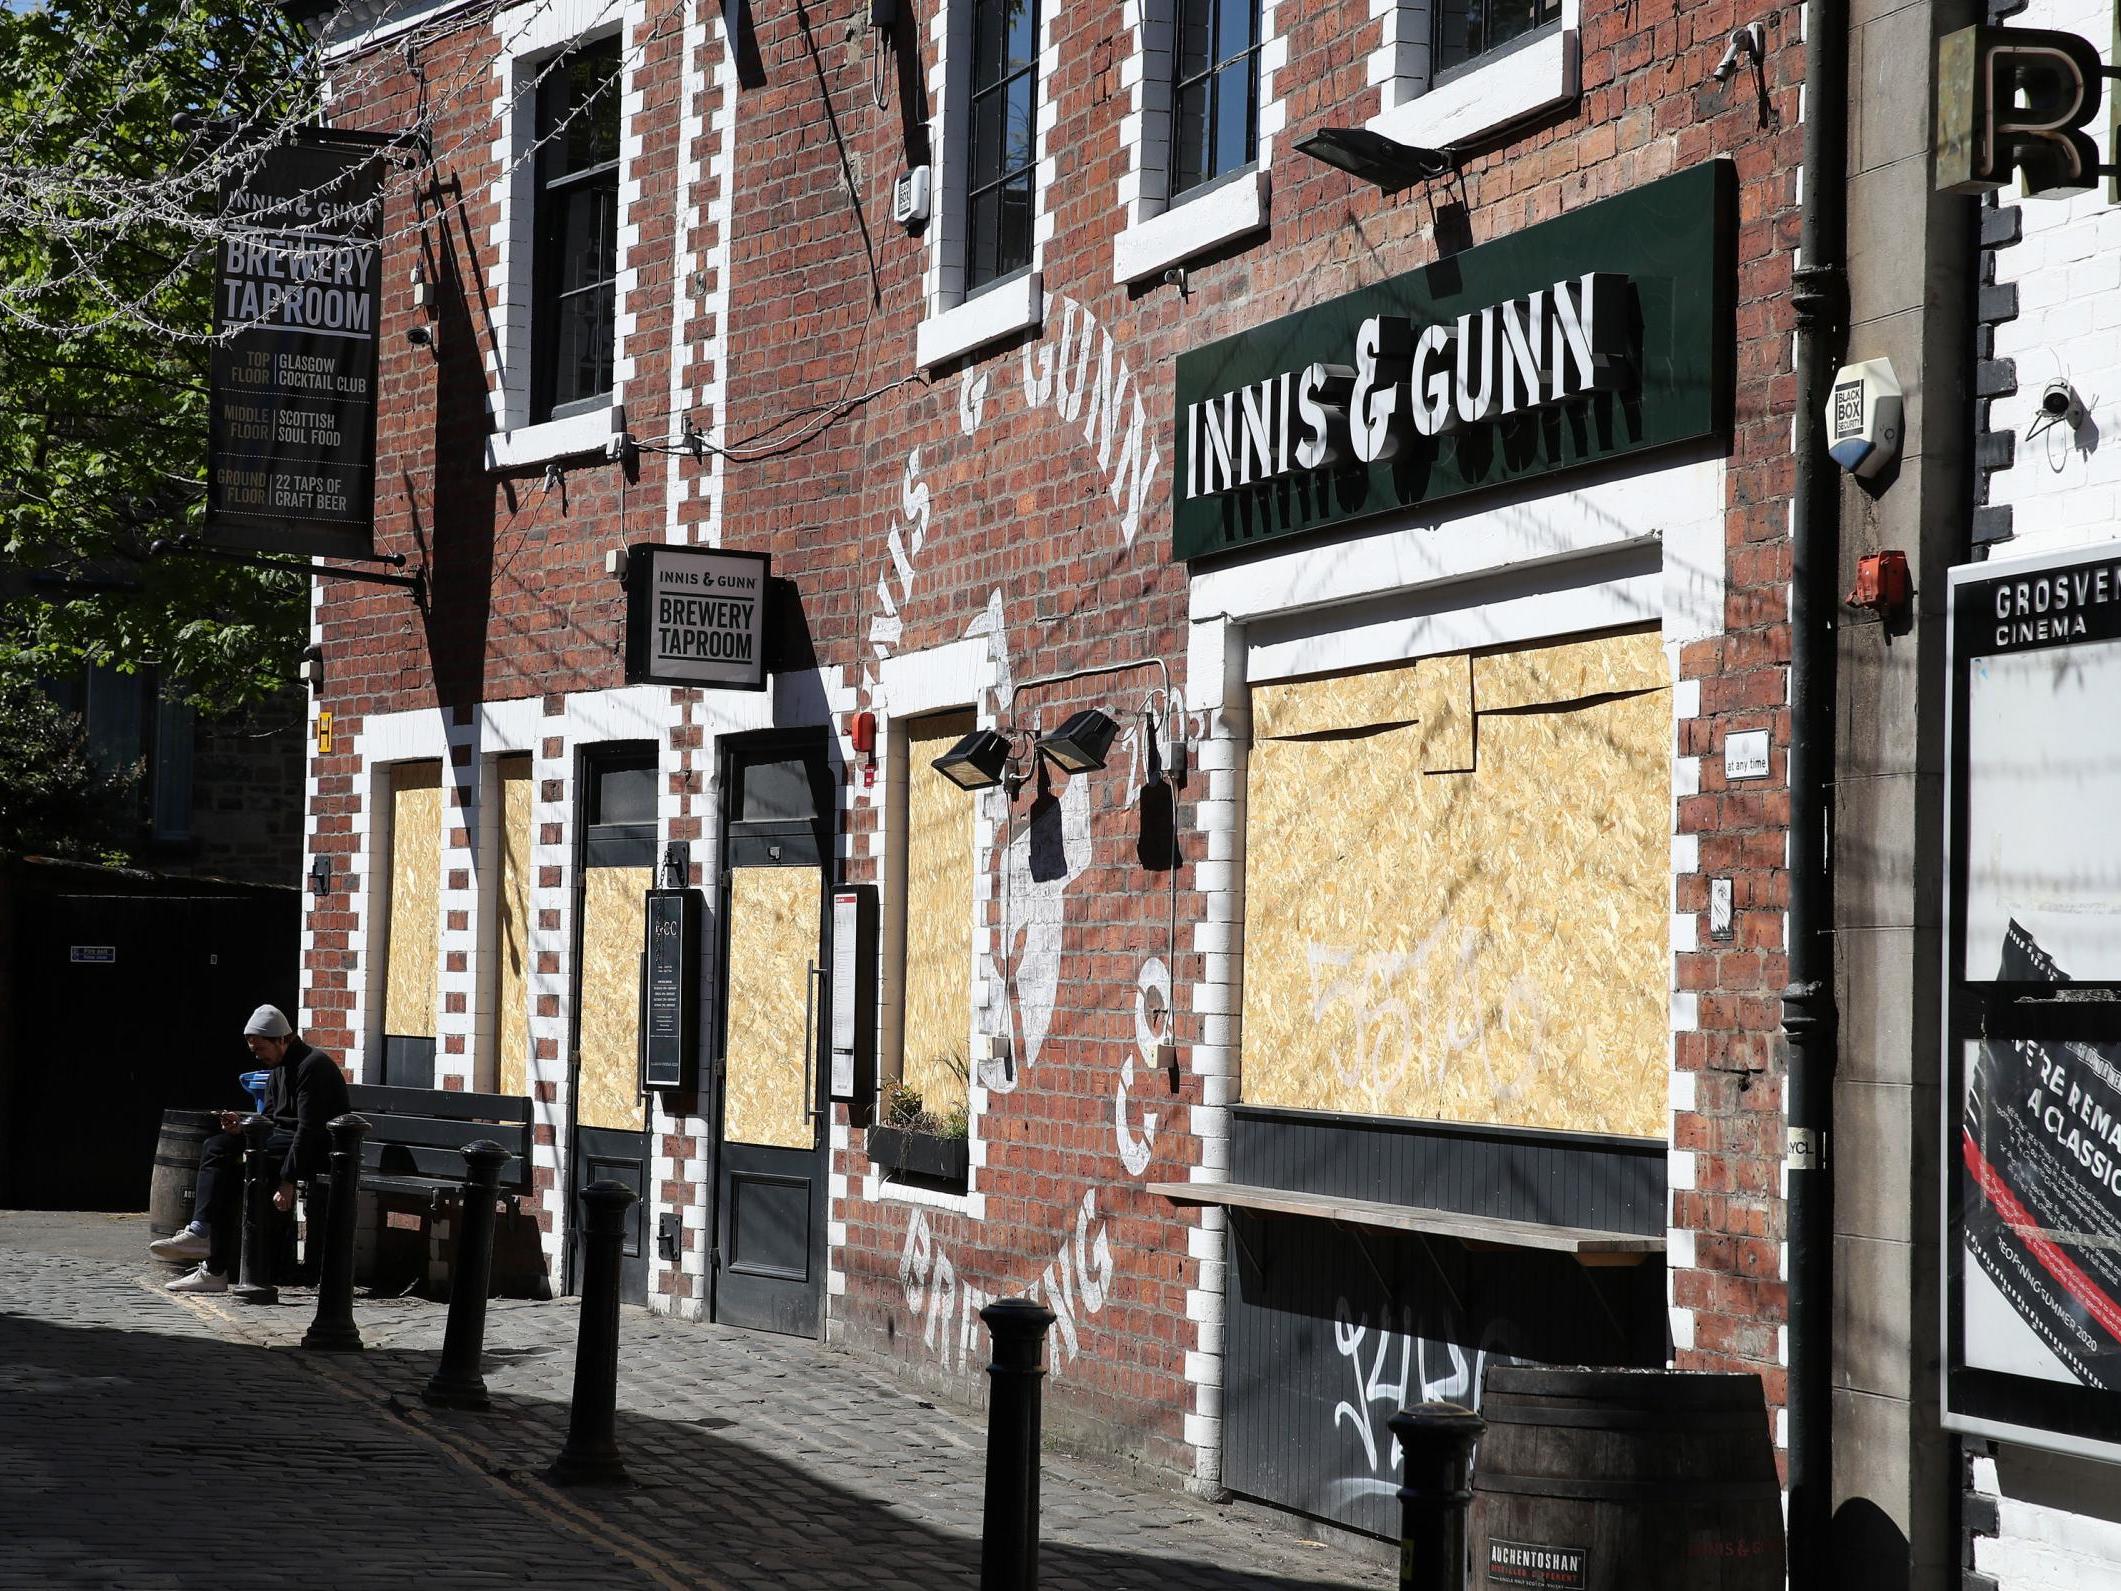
point(1436, 1445)
point(458, 1384)
point(1008, 1559)
point(261, 1179)
point(592, 1452)
point(333, 1329)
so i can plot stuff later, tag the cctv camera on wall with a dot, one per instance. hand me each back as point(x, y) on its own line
point(2060, 405)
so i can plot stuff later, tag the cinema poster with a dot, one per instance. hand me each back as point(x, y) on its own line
point(2033, 1117)
point(297, 291)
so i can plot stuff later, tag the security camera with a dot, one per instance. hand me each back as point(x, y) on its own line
point(1745, 45)
point(424, 337)
point(2060, 405)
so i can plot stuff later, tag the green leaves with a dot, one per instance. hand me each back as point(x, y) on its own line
point(104, 305)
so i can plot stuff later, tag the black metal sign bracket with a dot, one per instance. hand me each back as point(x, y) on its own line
point(191, 546)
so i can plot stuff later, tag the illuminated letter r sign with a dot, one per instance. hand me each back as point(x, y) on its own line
point(2016, 98)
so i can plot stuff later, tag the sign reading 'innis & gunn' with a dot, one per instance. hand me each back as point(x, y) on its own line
point(1604, 332)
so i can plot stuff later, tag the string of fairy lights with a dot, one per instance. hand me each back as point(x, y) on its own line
point(87, 214)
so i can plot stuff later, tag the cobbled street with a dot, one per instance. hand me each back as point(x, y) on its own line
point(151, 1442)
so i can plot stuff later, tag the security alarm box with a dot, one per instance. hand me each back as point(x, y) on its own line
point(1863, 417)
point(853, 1004)
point(670, 992)
point(909, 198)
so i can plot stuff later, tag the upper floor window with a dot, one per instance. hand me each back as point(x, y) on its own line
point(999, 184)
point(1215, 90)
point(1469, 29)
point(577, 225)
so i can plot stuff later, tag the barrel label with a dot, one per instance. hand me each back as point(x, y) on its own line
point(1527, 1563)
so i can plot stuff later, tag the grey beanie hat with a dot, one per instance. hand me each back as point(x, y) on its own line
point(267, 1022)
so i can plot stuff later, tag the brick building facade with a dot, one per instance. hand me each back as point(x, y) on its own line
point(969, 495)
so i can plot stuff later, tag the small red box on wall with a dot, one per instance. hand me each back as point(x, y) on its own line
point(1882, 582)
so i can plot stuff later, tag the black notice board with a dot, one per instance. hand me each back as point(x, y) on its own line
point(297, 299)
point(671, 1029)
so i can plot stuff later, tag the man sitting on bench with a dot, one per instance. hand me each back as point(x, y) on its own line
point(303, 1093)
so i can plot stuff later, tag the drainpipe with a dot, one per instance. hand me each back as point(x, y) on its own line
point(1809, 1025)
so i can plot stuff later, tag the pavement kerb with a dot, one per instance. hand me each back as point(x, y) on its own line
point(525, 1489)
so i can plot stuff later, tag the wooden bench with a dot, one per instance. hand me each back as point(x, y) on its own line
point(414, 1135)
point(412, 1171)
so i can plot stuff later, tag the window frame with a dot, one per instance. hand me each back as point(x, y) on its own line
point(1530, 76)
point(1440, 75)
point(1216, 62)
point(547, 220)
point(986, 13)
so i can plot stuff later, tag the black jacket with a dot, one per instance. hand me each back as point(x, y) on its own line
point(302, 1094)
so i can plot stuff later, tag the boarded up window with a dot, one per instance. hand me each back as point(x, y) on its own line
point(773, 938)
point(415, 880)
point(608, 1089)
point(512, 925)
point(1457, 889)
point(938, 902)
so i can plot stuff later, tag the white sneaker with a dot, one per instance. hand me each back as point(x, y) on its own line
point(185, 1247)
point(201, 1280)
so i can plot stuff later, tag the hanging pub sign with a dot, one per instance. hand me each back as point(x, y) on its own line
point(2032, 1118)
point(292, 434)
point(1604, 332)
point(696, 616)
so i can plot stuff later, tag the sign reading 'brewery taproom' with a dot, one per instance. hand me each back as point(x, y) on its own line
point(696, 617)
point(293, 428)
point(1604, 332)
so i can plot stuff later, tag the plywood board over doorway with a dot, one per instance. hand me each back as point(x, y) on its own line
point(938, 904)
point(773, 940)
point(512, 938)
point(415, 880)
point(1482, 946)
point(608, 1086)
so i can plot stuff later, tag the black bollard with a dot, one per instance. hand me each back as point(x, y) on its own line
point(1008, 1559)
point(1436, 1445)
point(261, 1180)
point(457, 1384)
point(334, 1330)
point(591, 1455)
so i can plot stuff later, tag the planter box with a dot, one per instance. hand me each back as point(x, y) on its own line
point(920, 1154)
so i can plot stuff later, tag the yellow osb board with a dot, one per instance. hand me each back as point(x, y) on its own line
point(1486, 947)
point(415, 879)
point(773, 938)
point(938, 987)
point(1531, 676)
point(608, 1086)
point(512, 940)
point(1347, 701)
point(1443, 704)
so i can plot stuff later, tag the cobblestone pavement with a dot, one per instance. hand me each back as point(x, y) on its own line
point(150, 1442)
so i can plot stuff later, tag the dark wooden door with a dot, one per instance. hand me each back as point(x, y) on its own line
point(769, 1151)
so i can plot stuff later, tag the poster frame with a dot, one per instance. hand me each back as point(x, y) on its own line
point(2056, 1416)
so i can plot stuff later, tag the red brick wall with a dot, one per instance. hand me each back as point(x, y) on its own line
point(823, 297)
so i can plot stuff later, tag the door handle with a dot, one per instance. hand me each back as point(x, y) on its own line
point(810, 1111)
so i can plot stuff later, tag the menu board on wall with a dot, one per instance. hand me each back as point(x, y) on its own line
point(2032, 1237)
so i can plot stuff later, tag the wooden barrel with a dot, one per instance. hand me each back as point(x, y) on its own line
point(1624, 1480)
point(169, 1192)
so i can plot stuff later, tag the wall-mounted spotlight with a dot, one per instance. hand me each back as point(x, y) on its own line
point(1375, 158)
point(1081, 743)
point(320, 876)
point(978, 762)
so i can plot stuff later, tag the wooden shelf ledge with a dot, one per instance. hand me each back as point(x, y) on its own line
point(1587, 1244)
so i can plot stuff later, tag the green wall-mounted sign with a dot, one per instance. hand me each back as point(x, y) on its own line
point(1603, 332)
